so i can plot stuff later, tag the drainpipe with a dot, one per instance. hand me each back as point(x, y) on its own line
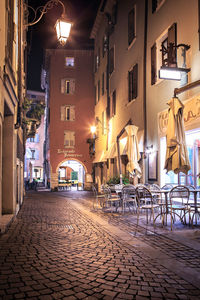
point(144, 76)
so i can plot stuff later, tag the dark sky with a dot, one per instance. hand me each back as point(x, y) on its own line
point(42, 35)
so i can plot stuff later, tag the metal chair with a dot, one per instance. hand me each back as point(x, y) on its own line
point(99, 199)
point(145, 202)
point(179, 203)
point(111, 199)
point(129, 197)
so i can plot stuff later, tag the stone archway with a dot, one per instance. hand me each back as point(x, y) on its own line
point(71, 174)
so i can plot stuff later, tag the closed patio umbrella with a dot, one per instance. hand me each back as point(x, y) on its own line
point(176, 154)
point(133, 151)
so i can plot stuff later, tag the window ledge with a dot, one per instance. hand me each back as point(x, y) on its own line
point(130, 102)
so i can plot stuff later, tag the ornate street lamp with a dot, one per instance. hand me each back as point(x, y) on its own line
point(63, 27)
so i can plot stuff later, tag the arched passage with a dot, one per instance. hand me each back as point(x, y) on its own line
point(71, 175)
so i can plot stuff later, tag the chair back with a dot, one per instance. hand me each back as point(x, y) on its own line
point(143, 195)
point(167, 186)
point(128, 191)
point(179, 193)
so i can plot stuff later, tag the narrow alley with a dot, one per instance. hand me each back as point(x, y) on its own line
point(59, 248)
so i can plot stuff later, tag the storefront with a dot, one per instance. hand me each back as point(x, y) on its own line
point(192, 131)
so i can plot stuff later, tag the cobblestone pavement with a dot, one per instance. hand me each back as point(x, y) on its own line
point(57, 249)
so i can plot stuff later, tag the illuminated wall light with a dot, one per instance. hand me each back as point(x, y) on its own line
point(170, 73)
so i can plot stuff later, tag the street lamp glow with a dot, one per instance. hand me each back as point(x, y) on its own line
point(63, 30)
point(93, 129)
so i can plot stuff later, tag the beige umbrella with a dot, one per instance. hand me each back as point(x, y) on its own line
point(176, 154)
point(133, 151)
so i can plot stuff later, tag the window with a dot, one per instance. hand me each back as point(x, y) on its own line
point(69, 139)
point(104, 45)
point(67, 86)
point(133, 83)
point(69, 61)
point(32, 153)
point(156, 4)
point(114, 103)
point(34, 139)
point(10, 29)
point(111, 60)
point(131, 26)
point(102, 87)
point(168, 55)
point(67, 113)
point(98, 58)
point(103, 123)
point(98, 91)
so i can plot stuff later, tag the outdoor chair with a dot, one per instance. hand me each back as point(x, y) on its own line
point(129, 197)
point(112, 200)
point(167, 186)
point(145, 202)
point(179, 204)
point(99, 198)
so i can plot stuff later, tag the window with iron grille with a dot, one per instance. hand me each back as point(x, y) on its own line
point(133, 83)
point(98, 91)
point(131, 25)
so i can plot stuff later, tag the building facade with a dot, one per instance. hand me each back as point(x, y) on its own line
point(133, 40)
point(118, 32)
point(69, 114)
point(12, 92)
point(34, 156)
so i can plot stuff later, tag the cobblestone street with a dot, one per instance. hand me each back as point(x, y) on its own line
point(59, 248)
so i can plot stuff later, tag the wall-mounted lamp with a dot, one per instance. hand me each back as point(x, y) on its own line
point(149, 149)
point(63, 27)
point(169, 69)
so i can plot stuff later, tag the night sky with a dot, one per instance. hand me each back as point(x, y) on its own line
point(42, 35)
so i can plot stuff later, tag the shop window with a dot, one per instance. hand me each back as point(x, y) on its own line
point(67, 113)
point(67, 86)
point(193, 147)
point(131, 25)
point(69, 139)
point(133, 83)
point(69, 61)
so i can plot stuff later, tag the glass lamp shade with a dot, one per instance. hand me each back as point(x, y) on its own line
point(93, 129)
point(63, 30)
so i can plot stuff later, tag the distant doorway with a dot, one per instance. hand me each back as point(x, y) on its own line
point(71, 175)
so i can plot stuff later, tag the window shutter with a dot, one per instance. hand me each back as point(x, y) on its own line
point(153, 64)
point(72, 113)
point(62, 113)
point(36, 154)
point(171, 43)
point(114, 103)
point(63, 86)
point(135, 81)
point(72, 86)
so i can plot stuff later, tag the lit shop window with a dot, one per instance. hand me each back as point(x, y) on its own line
point(69, 139)
point(68, 86)
point(69, 61)
point(67, 113)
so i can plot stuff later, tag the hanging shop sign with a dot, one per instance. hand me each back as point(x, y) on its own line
point(191, 114)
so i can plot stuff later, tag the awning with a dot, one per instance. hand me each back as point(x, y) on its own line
point(99, 157)
point(112, 151)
